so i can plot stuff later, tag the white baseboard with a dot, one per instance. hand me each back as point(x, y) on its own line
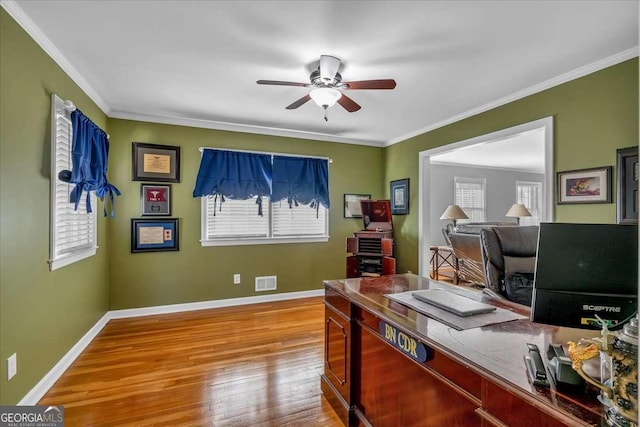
point(56, 372)
point(36, 393)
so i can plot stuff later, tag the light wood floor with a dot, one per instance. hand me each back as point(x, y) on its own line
point(254, 365)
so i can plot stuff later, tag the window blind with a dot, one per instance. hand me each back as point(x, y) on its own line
point(470, 196)
point(530, 195)
point(73, 232)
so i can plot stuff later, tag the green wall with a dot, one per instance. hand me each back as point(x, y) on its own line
point(197, 273)
point(42, 313)
point(593, 116)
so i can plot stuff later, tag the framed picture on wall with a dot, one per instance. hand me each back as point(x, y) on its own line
point(584, 186)
point(627, 194)
point(352, 208)
point(399, 191)
point(153, 162)
point(154, 234)
point(155, 199)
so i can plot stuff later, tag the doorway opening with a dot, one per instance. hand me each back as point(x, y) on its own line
point(501, 150)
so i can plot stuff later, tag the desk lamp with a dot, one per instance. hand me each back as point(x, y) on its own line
point(517, 211)
point(454, 212)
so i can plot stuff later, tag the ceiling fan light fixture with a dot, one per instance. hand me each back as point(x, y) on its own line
point(325, 96)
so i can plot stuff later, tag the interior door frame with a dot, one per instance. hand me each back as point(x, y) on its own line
point(424, 172)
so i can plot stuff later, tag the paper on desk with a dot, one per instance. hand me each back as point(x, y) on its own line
point(500, 315)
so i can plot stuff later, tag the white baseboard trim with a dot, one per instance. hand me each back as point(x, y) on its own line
point(36, 393)
point(203, 305)
point(33, 397)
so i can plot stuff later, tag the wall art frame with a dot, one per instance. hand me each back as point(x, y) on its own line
point(627, 185)
point(352, 207)
point(154, 234)
point(399, 195)
point(592, 185)
point(154, 162)
point(155, 199)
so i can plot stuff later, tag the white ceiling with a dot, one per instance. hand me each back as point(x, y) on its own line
point(522, 152)
point(197, 62)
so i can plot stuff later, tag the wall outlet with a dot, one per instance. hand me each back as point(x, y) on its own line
point(12, 366)
point(236, 279)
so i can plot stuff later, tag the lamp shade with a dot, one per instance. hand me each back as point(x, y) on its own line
point(518, 210)
point(325, 96)
point(454, 212)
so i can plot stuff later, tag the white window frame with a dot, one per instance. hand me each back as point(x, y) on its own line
point(536, 214)
point(464, 180)
point(206, 203)
point(61, 254)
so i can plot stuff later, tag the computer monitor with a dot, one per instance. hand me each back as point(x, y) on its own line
point(584, 270)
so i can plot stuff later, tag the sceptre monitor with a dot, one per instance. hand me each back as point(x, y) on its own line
point(584, 270)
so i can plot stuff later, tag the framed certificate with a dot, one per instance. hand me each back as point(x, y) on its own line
point(155, 199)
point(154, 235)
point(153, 162)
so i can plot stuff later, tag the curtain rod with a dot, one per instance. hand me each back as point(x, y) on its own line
point(70, 107)
point(267, 153)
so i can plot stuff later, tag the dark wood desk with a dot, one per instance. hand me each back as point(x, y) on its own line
point(474, 377)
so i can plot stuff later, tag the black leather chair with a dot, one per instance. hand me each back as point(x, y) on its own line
point(507, 251)
point(465, 244)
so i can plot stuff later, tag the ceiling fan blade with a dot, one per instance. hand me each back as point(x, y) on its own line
point(370, 84)
point(329, 66)
point(280, 83)
point(299, 102)
point(348, 103)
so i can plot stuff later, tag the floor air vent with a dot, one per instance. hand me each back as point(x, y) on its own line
point(266, 283)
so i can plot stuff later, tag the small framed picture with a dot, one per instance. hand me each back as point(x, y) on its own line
point(153, 162)
point(155, 199)
point(352, 208)
point(399, 191)
point(154, 234)
point(627, 191)
point(584, 186)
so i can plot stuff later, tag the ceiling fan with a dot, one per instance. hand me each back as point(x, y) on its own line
point(327, 86)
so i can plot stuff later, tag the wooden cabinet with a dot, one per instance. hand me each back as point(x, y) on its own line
point(372, 249)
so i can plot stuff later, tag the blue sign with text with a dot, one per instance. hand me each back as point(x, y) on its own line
point(403, 342)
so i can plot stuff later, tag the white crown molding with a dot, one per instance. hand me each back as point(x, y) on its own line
point(16, 12)
point(564, 78)
point(12, 7)
point(234, 127)
point(36, 393)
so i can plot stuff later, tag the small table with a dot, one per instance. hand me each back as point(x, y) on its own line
point(441, 256)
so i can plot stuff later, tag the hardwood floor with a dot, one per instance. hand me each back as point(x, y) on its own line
point(254, 365)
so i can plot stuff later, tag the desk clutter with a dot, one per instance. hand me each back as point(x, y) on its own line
point(371, 250)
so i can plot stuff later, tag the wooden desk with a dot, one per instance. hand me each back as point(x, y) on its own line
point(474, 377)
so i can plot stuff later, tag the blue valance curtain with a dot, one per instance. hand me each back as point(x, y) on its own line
point(233, 174)
point(90, 159)
point(242, 175)
point(301, 180)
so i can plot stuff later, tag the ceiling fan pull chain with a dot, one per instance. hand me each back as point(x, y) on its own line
point(326, 110)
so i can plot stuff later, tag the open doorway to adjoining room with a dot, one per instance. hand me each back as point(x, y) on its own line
point(501, 163)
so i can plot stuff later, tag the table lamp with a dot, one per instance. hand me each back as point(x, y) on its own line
point(517, 211)
point(454, 212)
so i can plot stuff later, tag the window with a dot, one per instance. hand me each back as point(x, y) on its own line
point(291, 180)
point(530, 195)
point(237, 222)
point(470, 196)
point(73, 233)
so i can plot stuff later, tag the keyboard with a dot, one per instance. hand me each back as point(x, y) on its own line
point(453, 303)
